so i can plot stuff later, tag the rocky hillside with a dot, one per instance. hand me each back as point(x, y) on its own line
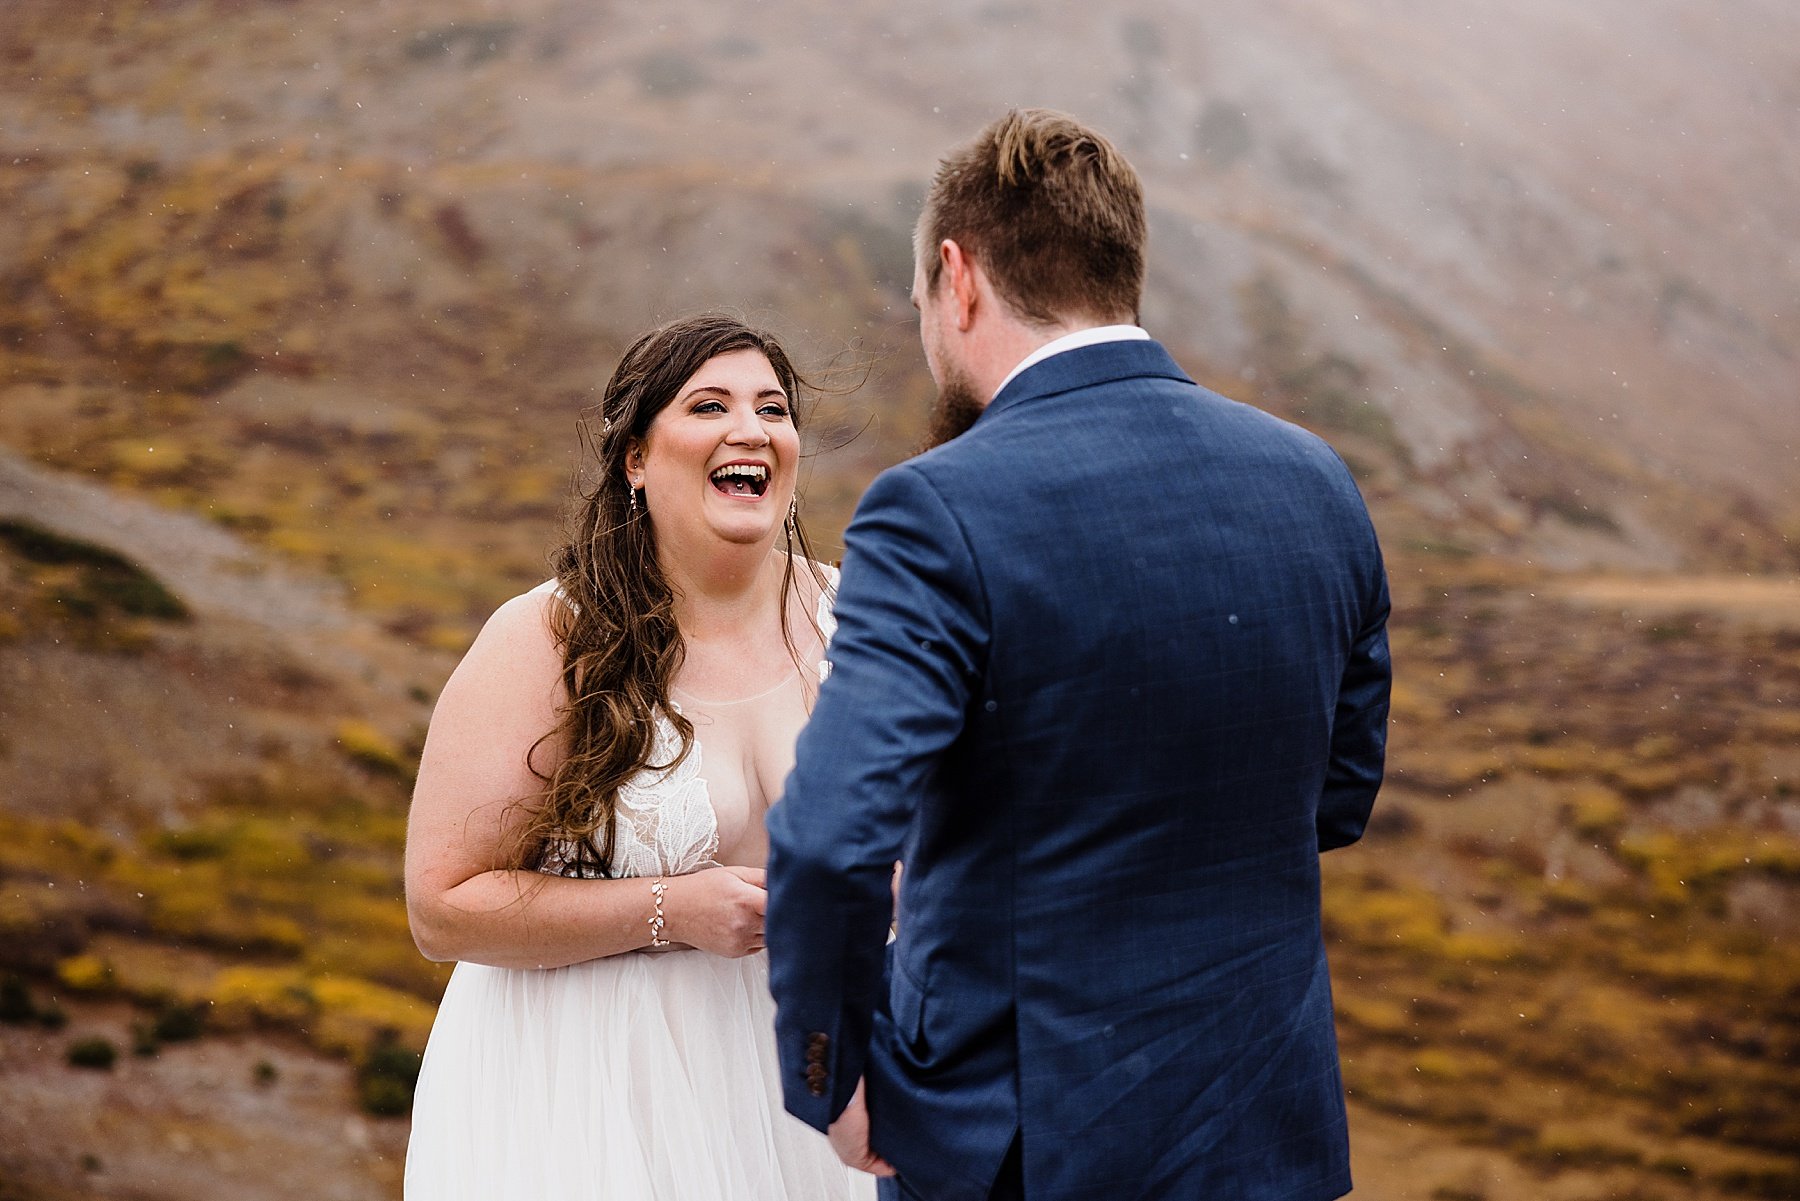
point(1529, 264)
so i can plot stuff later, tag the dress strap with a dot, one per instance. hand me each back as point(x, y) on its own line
point(825, 615)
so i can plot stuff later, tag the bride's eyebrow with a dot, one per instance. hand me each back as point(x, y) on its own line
point(716, 390)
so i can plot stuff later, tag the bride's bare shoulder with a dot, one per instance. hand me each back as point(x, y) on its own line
point(536, 608)
point(520, 633)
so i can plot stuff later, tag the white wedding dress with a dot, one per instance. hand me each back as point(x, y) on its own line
point(638, 1077)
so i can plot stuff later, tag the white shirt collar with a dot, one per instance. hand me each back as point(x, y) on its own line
point(1092, 336)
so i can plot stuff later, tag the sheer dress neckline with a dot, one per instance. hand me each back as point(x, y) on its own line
point(771, 690)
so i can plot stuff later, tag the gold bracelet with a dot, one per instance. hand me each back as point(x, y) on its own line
point(656, 919)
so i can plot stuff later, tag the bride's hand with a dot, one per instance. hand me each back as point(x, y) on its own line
point(718, 910)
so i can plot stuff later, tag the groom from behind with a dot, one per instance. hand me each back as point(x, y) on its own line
point(1110, 672)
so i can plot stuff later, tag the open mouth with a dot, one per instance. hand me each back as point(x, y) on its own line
point(741, 479)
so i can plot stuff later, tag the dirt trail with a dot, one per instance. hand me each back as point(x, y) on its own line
point(218, 575)
point(1761, 600)
point(209, 568)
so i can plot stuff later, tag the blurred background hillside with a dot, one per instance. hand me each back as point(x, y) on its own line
point(299, 304)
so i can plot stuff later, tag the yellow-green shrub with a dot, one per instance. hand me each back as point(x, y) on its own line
point(1574, 1145)
point(85, 973)
point(274, 994)
point(353, 1012)
point(365, 745)
point(1595, 811)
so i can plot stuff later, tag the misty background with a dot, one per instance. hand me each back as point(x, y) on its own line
point(300, 303)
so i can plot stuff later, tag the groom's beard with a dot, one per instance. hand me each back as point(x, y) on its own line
point(952, 413)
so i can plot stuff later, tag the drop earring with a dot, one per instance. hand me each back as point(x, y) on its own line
point(631, 490)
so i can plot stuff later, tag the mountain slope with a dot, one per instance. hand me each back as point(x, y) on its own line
point(1540, 253)
point(300, 306)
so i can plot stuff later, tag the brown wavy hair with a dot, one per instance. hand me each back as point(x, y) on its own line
point(620, 641)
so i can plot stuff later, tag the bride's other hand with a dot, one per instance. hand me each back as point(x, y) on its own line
point(718, 910)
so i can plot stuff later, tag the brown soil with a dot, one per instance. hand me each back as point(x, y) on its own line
point(191, 1122)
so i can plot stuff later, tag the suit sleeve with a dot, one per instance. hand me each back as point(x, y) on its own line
point(906, 658)
point(1359, 727)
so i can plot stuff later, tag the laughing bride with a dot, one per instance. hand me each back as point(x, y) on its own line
point(586, 840)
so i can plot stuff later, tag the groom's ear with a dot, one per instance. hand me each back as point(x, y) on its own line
point(958, 278)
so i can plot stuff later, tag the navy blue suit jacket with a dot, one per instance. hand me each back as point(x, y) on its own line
point(1110, 671)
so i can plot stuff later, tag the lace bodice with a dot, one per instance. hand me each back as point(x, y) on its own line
point(664, 823)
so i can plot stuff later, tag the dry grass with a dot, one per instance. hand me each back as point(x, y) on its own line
point(1565, 976)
